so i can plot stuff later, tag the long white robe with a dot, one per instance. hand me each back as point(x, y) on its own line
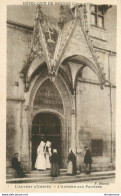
point(41, 161)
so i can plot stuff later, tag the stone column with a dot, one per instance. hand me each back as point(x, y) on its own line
point(17, 139)
point(25, 139)
point(73, 131)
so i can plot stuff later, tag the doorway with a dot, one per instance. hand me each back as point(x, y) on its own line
point(47, 126)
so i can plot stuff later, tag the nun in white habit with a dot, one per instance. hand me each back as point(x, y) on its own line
point(40, 163)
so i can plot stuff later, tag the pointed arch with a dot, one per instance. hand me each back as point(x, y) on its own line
point(83, 61)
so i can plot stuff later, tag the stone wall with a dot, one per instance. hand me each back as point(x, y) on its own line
point(95, 119)
point(102, 38)
point(13, 126)
point(18, 45)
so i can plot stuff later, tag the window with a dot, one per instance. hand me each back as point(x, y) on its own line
point(97, 16)
point(97, 147)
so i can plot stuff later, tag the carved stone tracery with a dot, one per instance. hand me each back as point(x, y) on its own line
point(50, 41)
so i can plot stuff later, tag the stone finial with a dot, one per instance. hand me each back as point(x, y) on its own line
point(61, 22)
point(39, 13)
point(77, 14)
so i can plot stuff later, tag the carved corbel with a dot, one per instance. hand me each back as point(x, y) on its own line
point(27, 84)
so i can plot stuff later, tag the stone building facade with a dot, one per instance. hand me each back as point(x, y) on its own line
point(61, 82)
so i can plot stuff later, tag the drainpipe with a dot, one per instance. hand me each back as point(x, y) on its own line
point(76, 144)
point(73, 134)
point(111, 112)
point(21, 128)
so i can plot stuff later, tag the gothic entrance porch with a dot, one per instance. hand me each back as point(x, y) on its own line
point(49, 126)
point(50, 118)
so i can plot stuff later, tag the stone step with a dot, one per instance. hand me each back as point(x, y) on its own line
point(60, 180)
point(103, 168)
point(33, 175)
point(63, 178)
point(38, 174)
point(45, 171)
point(10, 170)
point(101, 164)
point(72, 180)
point(42, 178)
point(95, 168)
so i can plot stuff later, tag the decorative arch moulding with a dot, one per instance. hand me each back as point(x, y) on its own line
point(50, 43)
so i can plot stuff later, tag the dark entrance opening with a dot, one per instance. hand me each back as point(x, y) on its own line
point(46, 125)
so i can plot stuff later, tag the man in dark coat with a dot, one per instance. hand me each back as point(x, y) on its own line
point(17, 166)
point(87, 160)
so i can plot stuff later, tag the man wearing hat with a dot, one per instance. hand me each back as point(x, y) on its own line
point(87, 160)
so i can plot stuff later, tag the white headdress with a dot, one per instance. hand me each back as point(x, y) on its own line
point(48, 143)
point(42, 143)
point(55, 150)
point(70, 150)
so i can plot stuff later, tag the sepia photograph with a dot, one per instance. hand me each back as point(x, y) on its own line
point(61, 62)
point(61, 89)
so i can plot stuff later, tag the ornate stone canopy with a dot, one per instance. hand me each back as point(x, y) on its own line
point(58, 42)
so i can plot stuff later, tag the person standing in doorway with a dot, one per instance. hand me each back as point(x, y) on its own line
point(55, 170)
point(40, 163)
point(87, 160)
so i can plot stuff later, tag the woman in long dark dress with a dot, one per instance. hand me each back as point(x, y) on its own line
point(54, 160)
point(71, 169)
